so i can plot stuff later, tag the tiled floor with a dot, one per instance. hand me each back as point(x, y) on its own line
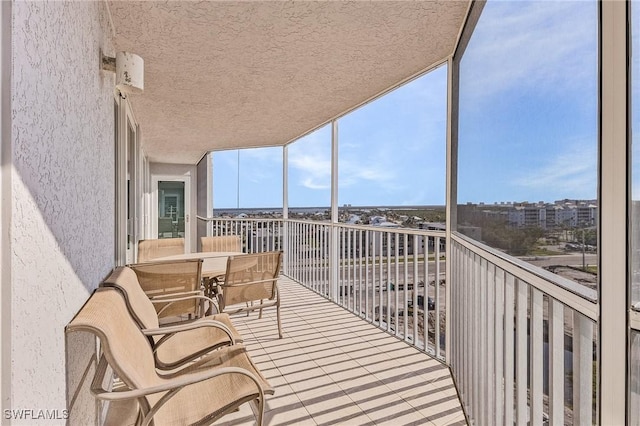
point(332, 368)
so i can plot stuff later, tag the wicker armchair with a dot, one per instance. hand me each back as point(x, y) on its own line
point(221, 243)
point(251, 278)
point(200, 393)
point(172, 346)
point(152, 249)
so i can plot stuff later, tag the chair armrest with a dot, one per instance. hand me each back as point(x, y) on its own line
point(170, 299)
point(223, 285)
point(171, 330)
point(171, 386)
point(162, 297)
point(176, 383)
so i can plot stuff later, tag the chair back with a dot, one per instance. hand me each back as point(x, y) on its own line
point(221, 243)
point(251, 277)
point(126, 349)
point(125, 280)
point(171, 278)
point(153, 249)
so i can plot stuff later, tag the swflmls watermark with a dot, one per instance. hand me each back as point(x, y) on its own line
point(35, 414)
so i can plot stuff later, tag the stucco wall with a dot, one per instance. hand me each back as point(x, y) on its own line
point(62, 185)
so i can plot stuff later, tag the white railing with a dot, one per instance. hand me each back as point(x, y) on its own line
point(257, 235)
point(393, 278)
point(523, 340)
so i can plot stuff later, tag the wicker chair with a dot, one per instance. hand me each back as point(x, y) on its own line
point(164, 281)
point(200, 393)
point(172, 346)
point(221, 243)
point(152, 249)
point(251, 278)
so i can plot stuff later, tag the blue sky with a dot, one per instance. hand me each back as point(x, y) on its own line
point(528, 125)
point(391, 152)
point(528, 103)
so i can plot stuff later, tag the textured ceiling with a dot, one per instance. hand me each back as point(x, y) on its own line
point(243, 74)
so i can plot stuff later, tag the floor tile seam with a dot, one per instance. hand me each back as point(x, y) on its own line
point(437, 399)
point(308, 419)
point(435, 421)
point(383, 388)
point(310, 403)
point(361, 401)
point(383, 409)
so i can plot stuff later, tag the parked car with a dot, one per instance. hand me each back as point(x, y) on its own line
point(431, 305)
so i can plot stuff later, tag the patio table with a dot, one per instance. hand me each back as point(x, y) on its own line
point(214, 263)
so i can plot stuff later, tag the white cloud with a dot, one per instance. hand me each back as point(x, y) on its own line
point(573, 172)
point(261, 164)
point(363, 172)
point(546, 46)
point(310, 160)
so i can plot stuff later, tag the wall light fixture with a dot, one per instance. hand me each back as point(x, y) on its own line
point(129, 69)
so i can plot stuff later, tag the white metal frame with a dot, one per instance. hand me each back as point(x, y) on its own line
point(333, 250)
point(124, 149)
point(611, 311)
point(285, 207)
point(613, 217)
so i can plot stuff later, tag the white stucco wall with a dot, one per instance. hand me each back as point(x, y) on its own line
point(62, 185)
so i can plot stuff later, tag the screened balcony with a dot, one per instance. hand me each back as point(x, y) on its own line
point(523, 344)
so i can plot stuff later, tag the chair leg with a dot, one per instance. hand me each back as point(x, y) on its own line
point(259, 409)
point(278, 317)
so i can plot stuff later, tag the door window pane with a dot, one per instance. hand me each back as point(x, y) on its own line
point(171, 209)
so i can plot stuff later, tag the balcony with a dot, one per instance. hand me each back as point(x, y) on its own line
point(522, 346)
point(332, 367)
point(542, 369)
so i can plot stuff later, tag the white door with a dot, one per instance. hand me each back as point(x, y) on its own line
point(171, 216)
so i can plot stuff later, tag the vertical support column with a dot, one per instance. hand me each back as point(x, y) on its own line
point(613, 217)
point(284, 238)
point(451, 195)
point(333, 251)
point(209, 229)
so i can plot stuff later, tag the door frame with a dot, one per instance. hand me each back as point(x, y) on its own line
point(127, 181)
point(188, 214)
